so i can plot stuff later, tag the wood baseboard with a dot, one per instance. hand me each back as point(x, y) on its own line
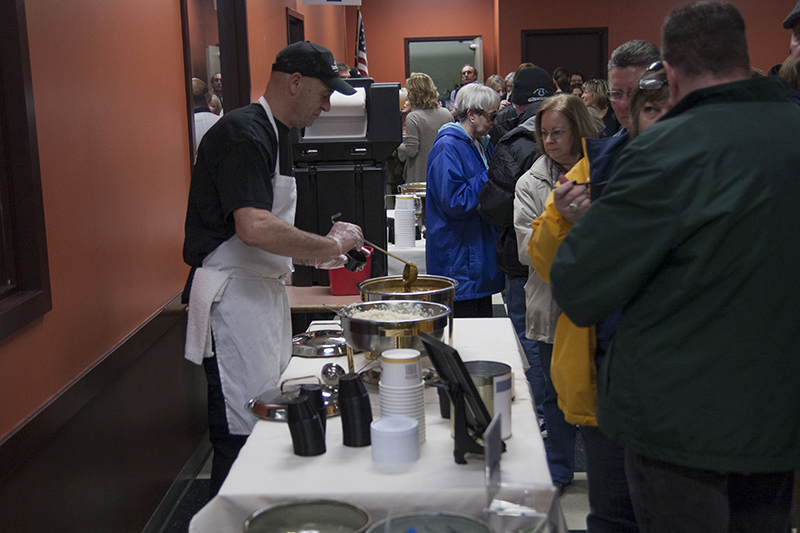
point(102, 455)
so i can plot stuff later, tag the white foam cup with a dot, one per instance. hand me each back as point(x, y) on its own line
point(395, 440)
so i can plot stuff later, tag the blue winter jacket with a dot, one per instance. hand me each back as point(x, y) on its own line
point(460, 245)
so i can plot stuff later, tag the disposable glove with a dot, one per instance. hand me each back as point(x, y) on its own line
point(329, 263)
point(347, 236)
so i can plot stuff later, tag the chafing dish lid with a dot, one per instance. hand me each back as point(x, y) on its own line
point(322, 343)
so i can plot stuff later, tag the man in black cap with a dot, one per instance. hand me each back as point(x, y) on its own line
point(514, 154)
point(528, 88)
point(241, 243)
point(792, 22)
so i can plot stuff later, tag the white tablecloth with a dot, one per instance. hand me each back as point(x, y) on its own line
point(267, 471)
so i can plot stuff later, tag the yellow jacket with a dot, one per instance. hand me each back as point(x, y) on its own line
point(572, 369)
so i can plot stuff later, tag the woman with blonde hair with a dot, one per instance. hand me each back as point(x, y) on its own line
point(214, 104)
point(497, 83)
point(422, 125)
point(561, 121)
point(595, 96)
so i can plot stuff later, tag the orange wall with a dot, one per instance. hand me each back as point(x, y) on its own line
point(636, 19)
point(114, 154)
point(388, 22)
point(266, 31)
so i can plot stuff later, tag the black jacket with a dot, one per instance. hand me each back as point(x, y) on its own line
point(507, 120)
point(514, 154)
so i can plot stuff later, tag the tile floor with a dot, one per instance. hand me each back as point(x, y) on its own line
point(575, 503)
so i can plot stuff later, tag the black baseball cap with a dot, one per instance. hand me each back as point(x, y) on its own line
point(531, 84)
point(793, 17)
point(312, 60)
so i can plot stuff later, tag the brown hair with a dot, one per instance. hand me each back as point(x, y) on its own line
point(706, 37)
point(581, 122)
point(790, 71)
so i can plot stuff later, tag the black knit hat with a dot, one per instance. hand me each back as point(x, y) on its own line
point(312, 60)
point(531, 85)
point(793, 17)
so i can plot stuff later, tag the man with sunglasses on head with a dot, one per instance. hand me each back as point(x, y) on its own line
point(626, 66)
point(694, 238)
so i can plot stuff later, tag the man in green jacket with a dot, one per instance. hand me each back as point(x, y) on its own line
point(695, 238)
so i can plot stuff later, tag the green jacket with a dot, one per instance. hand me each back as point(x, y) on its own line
point(697, 237)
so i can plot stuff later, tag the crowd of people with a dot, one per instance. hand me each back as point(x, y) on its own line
point(638, 316)
point(641, 229)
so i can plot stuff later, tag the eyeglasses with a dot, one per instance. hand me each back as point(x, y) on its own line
point(467, 73)
point(491, 116)
point(616, 96)
point(555, 134)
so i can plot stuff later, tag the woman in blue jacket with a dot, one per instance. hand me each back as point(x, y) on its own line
point(460, 245)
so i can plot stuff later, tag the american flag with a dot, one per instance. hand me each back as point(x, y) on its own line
point(361, 48)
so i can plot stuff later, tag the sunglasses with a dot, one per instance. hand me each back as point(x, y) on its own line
point(490, 115)
point(653, 84)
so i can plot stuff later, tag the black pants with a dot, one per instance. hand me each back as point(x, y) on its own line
point(673, 499)
point(226, 446)
point(610, 508)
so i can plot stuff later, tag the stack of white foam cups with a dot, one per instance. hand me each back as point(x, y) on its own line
point(405, 227)
point(401, 386)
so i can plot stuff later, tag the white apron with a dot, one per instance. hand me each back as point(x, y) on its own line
point(239, 294)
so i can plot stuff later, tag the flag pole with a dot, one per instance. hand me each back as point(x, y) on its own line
point(358, 34)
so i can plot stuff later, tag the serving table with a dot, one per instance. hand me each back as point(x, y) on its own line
point(317, 299)
point(267, 471)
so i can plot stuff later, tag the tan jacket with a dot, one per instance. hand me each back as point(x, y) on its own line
point(572, 368)
point(529, 198)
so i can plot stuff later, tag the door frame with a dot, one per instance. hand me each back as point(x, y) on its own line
point(602, 36)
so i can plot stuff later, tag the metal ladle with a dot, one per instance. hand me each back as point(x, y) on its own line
point(410, 271)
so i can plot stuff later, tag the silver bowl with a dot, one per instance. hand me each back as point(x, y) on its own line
point(324, 516)
point(427, 288)
point(372, 335)
point(431, 522)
